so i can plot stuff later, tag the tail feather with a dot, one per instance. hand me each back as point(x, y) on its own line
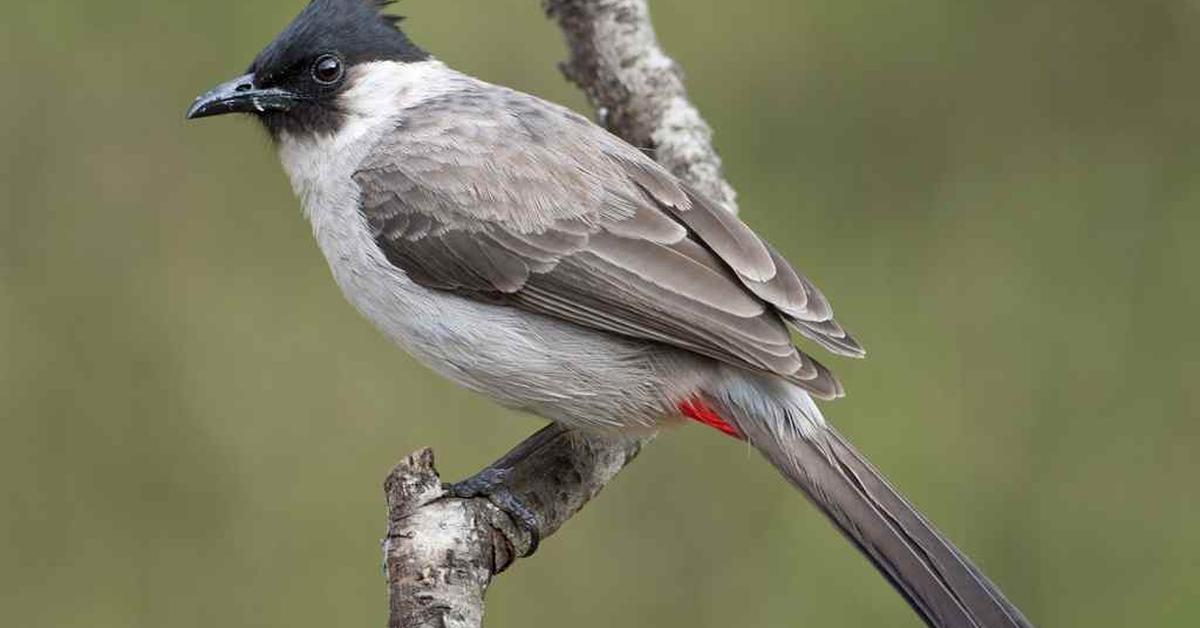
point(938, 581)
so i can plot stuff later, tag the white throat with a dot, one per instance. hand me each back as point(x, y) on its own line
point(322, 167)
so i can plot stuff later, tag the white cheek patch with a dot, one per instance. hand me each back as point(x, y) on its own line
point(388, 87)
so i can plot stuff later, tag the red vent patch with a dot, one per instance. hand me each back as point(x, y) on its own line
point(700, 412)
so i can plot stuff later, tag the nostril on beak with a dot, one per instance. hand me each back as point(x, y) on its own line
point(244, 87)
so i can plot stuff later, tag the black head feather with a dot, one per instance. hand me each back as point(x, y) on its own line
point(355, 31)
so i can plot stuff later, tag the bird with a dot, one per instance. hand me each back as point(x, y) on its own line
point(522, 251)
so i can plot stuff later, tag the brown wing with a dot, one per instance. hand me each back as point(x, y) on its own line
point(520, 202)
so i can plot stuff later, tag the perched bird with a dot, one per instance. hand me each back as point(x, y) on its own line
point(524, 252)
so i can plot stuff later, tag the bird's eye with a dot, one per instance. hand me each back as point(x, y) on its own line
point(327, 70)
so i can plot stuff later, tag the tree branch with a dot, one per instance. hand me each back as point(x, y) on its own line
point(441, 552)
point(637, 90)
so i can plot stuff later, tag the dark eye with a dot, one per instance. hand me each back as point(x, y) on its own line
point(327, 70)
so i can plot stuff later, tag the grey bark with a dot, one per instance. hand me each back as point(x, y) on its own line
point(442, 552)
point(637, 90)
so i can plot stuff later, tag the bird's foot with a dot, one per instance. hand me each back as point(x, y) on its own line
point(491, 484)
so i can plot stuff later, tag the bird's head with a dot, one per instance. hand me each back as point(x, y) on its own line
point(293, 85)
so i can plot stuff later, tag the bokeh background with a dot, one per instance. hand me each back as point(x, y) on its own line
point(1000, 197)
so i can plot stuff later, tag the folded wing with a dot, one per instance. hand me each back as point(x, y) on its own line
point(523, 203)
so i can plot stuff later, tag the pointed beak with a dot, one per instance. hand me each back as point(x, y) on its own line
point(241, 95)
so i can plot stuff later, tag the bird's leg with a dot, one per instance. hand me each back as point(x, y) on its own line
point(496, 483)
point(490, 483)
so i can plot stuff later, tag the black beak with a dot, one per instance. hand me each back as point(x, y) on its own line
point(241, 95)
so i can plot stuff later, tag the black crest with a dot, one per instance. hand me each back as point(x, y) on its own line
point(357, 30)
point(350, 31)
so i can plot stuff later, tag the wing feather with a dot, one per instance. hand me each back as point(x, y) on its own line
point(581, 226)
point(728, 237)
point(674, 271)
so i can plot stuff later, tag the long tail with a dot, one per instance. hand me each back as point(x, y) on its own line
point(937, 580)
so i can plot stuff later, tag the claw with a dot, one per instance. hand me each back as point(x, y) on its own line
point(490, 483)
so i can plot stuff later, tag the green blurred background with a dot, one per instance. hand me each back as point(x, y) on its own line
point(999, 196)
